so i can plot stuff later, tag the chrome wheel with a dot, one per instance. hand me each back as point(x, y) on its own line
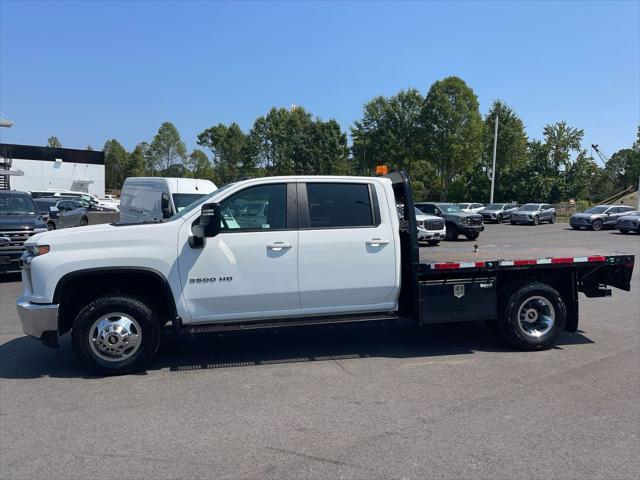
point(115, 337)
point(536, 316)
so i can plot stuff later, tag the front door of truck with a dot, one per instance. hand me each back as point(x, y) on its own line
point(347, 250)
point(249, 270)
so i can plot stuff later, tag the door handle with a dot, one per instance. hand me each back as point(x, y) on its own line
point(277, 246)
point(376, 242)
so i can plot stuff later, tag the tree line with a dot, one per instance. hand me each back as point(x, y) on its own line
point(440, 138)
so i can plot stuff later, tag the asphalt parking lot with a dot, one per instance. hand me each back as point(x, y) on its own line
point(360, 401)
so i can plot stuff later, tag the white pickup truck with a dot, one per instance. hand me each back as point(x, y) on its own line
point(328, 250)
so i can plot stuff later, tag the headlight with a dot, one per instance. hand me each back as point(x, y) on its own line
point(33, 251)
point(39, 230)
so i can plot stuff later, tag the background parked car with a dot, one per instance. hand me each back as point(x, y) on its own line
point(534, 213)
point(62, 212)
point(498, 212)
point(457, 222)
point(84, 196)
point(19, 220)
point(471, 207)
point(431, 228)
point(629, 222)
point(599, 217)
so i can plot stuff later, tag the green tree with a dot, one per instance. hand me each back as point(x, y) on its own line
point(166, 149)
point(563, 141)
point(116, 161)
point(511, 152)
point(452, 129)
point(53, 142)
point(389, 133)
point(137, 164)
point(199, 164)
point(286, 142)
point(232, 152)
point(580, 177)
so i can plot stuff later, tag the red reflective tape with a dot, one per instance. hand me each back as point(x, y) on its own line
point(479, 264)
point(596, 258)
point(525, 262)
point(562, 260)
point(446, 266)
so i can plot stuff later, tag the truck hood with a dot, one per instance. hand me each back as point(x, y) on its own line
point(462, 214)
point(425, 217)
point(93, 236)
point(21, 222)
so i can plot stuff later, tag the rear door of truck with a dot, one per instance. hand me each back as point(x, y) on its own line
point(347, 256)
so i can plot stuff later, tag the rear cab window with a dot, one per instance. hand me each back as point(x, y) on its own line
point(341, 205)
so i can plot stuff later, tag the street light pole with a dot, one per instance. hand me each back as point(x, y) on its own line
point(493, 170)
point(364, 149)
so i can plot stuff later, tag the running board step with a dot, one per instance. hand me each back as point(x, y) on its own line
point(288, 322)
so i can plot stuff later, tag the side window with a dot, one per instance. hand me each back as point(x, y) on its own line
point(334, 205)
point(64, 206)
point(255, 208)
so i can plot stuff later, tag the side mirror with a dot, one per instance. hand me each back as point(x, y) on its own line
point(165, 207)
point(208, 226)
point(54, 212)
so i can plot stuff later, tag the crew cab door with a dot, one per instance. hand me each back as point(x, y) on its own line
point(248, 270)
point(347, 259)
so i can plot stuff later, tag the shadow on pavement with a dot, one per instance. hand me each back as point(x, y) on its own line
point(26, 358)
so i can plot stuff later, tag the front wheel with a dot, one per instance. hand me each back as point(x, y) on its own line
point(84, 221)
point(116, 334)
point(597, 225)
point(533, 317)
point(472, 235)
point(536, 220)
point(499, 219)
point(51, 226)
point(452, 232)
point(553, 218)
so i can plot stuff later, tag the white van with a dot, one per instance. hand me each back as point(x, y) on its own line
point(157, 198)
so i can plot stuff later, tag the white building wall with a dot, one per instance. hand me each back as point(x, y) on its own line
point(43, 174)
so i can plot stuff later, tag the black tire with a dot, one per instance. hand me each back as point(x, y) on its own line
point(433, 243)
point(51, 226)
point(623, 231)
point(499, 218)
point(84, 221)
point(150, 331)
point(553, 218)
point(472, 235)
point(532, 294)
point(452, 232)
point(536, 221)
point(597, 225)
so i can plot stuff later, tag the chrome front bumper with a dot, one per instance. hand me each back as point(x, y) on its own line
point(40, 321)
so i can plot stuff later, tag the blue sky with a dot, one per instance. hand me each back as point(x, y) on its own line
point(89, 71)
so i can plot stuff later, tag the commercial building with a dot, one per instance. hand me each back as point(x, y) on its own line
point(28, 167)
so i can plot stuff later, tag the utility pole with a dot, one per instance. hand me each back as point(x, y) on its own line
point(364, 149)
point(493, 170)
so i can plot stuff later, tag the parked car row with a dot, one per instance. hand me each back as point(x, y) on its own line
point(599, 217)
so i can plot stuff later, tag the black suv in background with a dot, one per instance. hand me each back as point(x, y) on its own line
point(19, 219)
point(457, 222)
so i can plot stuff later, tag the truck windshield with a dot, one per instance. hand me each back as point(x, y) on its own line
point(597, 210)
point(16, 204)
point(449, 207)
point(183, 200)
point(529, 208)
point(192, 206)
